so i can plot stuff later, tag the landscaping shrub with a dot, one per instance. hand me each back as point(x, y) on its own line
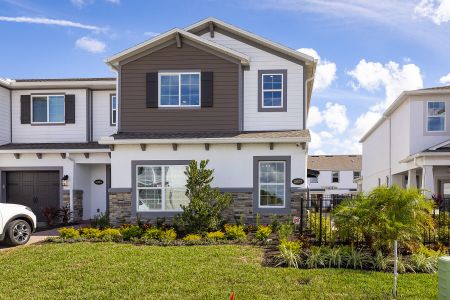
point(153, 233)
point(274, 223)
point(314, 225)
point(50, 214)
point(216, 235)
point(234, 232)
point(263, 233)
point(384, 215)
point(204, 211)
point(316, 258)
point(69, 233)
point(131, 232)
point(192, 237)
point(90, 233)
point(64, 214)
point(289, 254)
point(168, 235)
point(110, 235)
point(101, 221)
point(285, 230)
point(336, 257)
point(357, 259)
point(381, 262)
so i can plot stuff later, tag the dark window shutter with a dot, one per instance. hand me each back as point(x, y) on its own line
point(152, 90)
point(25, 109)
point(207, 89)
point(70, 109)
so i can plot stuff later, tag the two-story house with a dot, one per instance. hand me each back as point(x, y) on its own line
point(337, 174)
point(209, 91)
point(410, 145)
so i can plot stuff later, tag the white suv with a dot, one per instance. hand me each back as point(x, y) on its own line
point(17, 222)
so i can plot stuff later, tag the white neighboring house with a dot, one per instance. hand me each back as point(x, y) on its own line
point(337, 174)
point(209, 91)
point(410, 145)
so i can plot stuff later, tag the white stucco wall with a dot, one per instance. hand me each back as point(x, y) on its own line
point(400, 138)
point(375, 157)
point(94, 196)
point(262, 60)
point(101, 125)
point(233, 168)
point(5, 128)
point(27, 133)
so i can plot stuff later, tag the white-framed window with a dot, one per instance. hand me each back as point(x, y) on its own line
point(272, 90)
point(113, 109)
point(160, 188)
point(272, 184)
point(335, 176)
point(47, 109)
point(313, 180)
point(356, 174)
point(435, 116)
point(179, 89)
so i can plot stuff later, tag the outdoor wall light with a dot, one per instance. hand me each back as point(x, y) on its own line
point(65, 180)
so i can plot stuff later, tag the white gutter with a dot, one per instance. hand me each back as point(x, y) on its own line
point(112, 141)
point(52, 151)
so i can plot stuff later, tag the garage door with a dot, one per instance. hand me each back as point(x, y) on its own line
point(36, 189)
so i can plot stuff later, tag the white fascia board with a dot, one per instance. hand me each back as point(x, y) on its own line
point(103, 84)
point(440, 145)
point(256, 38)
point(52, 151)
point(108, 141)
point(114, 60)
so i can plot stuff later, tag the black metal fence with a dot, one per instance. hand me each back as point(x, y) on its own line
point(318, 227)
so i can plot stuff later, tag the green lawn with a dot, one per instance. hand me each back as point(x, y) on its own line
point(122, 271)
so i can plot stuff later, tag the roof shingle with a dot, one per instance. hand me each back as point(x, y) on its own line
point(335, 162)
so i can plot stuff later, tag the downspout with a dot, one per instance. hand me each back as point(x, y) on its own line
point(390, 152)
point(306, 99)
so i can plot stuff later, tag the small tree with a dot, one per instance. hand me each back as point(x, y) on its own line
point(204, 211)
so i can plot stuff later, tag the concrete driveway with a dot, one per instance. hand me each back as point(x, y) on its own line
point(37, 237)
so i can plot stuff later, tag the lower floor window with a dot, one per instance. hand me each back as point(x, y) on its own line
point(272, 183)
point(161, 188)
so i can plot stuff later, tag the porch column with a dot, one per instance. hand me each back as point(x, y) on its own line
point(428, 180)
point(412, 182)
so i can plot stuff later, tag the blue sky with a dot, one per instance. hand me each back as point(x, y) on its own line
point(369, 50)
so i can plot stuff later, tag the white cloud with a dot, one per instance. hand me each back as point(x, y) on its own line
point(314, 116)
point(47, 21)
point(151, 33)
point(437, 11)
point(79, 3)
point(90, 45)
point(391, 76)
point(335, 117)
point(325, 72)
point(113, 1)
point(445, 79)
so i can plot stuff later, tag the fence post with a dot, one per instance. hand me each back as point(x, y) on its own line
point(301, 211)
point(320, 220)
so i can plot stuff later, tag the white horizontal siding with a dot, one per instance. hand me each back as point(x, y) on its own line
point(262, 60)
point(26, 133)
point(5, 125)
point(101, 114)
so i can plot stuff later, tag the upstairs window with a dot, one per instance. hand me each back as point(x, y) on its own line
point(272, 90)
point(313, 180)
point(179, 89)
point(435, 116)
point(335, 176)
point(113, 110)
point(356, 174)
point(48, 109)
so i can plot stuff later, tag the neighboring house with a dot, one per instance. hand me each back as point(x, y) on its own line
point(410, 145)
point(209, 91)
point(337, 174)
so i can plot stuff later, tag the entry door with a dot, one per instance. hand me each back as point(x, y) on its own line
point(35, 189)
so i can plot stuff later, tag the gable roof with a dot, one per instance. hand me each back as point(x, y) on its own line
point(400, 100)
point(335, 162)
point(172, 35)
point(278, 49)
